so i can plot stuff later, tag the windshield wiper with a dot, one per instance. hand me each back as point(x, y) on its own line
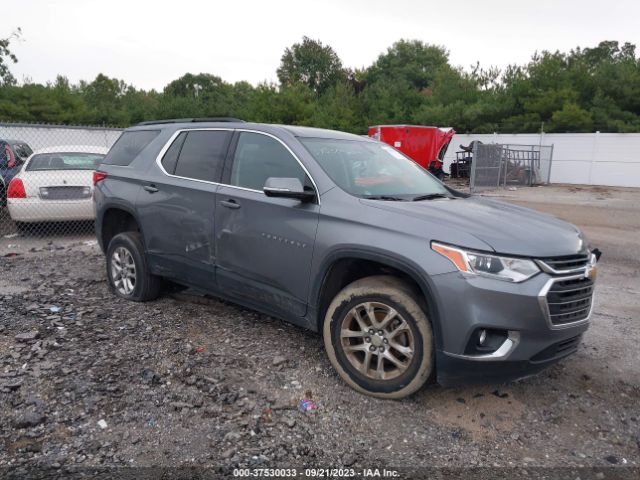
point(383, 197)
point(429, 196)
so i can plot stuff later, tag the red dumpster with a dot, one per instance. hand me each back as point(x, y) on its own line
point(425, 145)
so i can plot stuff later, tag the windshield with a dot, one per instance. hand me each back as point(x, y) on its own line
point(372, 170)
point(64, 161)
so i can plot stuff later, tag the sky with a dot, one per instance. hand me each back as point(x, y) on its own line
point(150, 43)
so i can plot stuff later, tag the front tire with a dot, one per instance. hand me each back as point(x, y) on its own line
point(378, 338)
point(127, 269)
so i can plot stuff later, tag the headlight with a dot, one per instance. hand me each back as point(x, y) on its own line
point(494, 266)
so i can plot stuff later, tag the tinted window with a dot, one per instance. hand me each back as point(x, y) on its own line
point(22, 150)
point(170, 158)
point(64, 161)
point(259, 157)
point(202, 154)
point(128, 146)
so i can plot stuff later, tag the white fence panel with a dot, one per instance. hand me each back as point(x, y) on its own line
point(611, 159)
point(44, 136)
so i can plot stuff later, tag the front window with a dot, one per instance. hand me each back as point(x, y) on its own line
point(373, 170)
point(64, 161)
point(259, 157)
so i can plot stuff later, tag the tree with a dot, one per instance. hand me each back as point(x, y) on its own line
point(311, 63)
point(412, 61)
point(103, 97)
point(571, 118)
point(6, 56)
point(585, 89)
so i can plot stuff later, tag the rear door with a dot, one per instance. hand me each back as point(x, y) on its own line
point(264, 245)
point(177, 206)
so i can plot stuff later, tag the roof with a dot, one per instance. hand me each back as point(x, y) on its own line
point(73, 149)
point(192, 120)
point(319, 133)
point(180, 124)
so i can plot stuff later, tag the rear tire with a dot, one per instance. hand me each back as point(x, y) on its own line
point(378, 338)
point(127, 269)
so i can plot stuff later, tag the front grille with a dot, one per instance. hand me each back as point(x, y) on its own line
point(558, 350)
point(570, 300)
point(64, 193)
point(567, 262)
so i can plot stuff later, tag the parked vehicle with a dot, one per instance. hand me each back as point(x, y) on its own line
point(55, 184)
point(405, 278)
point(13, 154)
point(425, 145)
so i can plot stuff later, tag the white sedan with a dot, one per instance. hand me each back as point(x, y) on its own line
point(55, 184)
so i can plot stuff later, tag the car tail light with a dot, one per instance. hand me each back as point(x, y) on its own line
point(16, 189)
point(98, 177)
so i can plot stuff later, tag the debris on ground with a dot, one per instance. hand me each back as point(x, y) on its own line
point(267, 415)
point(307, 404)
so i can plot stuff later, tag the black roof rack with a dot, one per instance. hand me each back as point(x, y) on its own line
point(192, 120)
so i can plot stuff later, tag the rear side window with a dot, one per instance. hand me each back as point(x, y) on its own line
point(170, 158)
point(128, 146)
point(202, 154)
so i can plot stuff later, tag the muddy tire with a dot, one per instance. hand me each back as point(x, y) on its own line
point(378, 338)
point(127, 270)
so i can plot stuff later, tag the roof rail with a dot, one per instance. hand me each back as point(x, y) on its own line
point(192, 120)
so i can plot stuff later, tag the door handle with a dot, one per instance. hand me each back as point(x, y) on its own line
point(150, 188)
point(230, 204)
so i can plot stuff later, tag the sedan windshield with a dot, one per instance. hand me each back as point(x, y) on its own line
point(64, 161)
point(373, 170)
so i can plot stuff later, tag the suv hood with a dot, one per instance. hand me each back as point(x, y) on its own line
point(505, 228)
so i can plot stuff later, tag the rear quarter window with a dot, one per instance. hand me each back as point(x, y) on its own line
point(128, 146)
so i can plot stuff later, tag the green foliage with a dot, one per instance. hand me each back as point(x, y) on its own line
point(411, 61)
point(412, 82)
point(311, 63)
point(6, 56)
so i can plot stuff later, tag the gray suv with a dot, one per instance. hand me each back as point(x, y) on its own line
point(407, 279)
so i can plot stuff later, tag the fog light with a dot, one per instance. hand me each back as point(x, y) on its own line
point(485, 340)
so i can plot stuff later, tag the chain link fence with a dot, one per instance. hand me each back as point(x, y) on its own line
point(497, 166)
point(46, 178)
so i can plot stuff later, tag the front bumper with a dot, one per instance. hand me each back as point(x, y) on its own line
point(467, 303)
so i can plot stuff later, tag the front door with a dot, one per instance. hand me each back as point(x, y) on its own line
point(264, 245)
point(177, 207)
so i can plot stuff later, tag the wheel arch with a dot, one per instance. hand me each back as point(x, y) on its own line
point(345, 266)
point(116, 219)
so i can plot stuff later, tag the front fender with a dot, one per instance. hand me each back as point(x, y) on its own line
point(385, 257)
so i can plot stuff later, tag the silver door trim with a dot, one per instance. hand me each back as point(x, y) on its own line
point(178, 132)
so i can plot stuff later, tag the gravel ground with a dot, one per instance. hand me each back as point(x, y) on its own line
point(87, 379)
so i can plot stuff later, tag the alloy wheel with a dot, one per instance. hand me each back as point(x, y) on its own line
point(123, 271)
point(377, 340)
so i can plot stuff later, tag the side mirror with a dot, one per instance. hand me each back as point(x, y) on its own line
point(288, 188)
